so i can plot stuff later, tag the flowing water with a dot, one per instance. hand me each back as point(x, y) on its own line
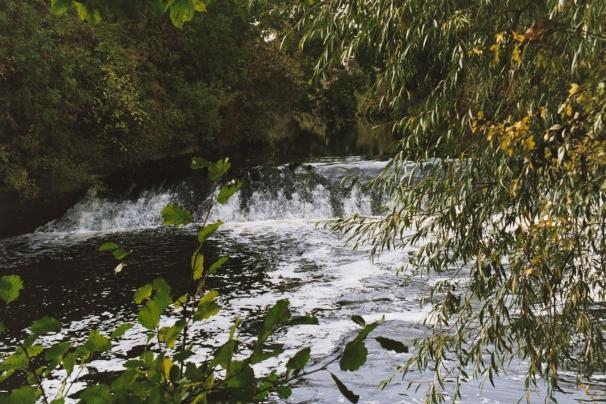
point(277, 251)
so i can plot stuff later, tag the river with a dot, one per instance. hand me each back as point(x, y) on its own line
point(278, 249)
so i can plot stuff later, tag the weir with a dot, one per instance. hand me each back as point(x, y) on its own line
point(312, 191)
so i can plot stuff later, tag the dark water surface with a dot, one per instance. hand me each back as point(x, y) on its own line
point(277, 251)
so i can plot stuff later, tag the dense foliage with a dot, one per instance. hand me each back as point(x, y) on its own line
point(509, 96)
point(79, 101)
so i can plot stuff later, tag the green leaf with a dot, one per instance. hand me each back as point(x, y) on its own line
point(283, 391)
point(143, 293)
point(162, 297)
point(265, 388)
point(199, 5)
point(125, 380)
point(60, 7)
point(55, 353)
point(242, 382)
point(227, 190)
point(208, 230)
point(181, 300)
point(260, 356)
point(348, 394)
point(97, 342)
point(354, 355)
point(87, 13)
point(392, 345)
point(16, 361)
point(99, 394)
point(83, 353)
point(206, 311)
point(192, 372)
point(10, 287)
point(367, 330)
point(4, 375)
point(173, 215)
point(358, 320)
point(234, 328)
point(304, 320)
point(210, 296)
point(218, 169)
point(122, 328)
point(215, 266)
point(277, 314)
point(69, 361)
point(111, 246)
point(45, 325)
point(120, 254)
point(149, 315)
point(171, 334)
point(161, 6)
point(300, 359)
point(224, 355)
point(198, 163)
point(181, 11)
point(22, 395)
point(197, 265)
point(34, 350)
point(181, 356)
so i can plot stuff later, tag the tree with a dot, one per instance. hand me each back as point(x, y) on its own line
point(92, 11)
point(508, 100)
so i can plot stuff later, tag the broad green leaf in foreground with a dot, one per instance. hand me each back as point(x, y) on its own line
point(10, 287)
point(60, 7)
point(45, 325)
point(227, 190)
point(276, 315)
point(354, 355)
point(198, 163)
point(109, 246)
point(300, 359)
point(208, 230)
point(173, 215)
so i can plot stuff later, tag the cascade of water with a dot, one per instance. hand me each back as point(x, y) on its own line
point(313, 191)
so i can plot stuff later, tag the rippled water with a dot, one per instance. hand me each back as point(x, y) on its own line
point(277, 251)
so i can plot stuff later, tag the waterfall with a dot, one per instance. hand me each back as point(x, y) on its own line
point(310, 191)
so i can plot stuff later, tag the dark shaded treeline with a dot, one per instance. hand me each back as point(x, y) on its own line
point(80, 103)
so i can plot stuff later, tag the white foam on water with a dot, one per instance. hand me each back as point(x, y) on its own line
point(316, 272)
point(98, 214)
point(315, 194)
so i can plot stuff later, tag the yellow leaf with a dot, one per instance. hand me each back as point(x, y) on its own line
point(199, 5)
point(529, 144)
point(518, 37)
point(543, 112)
point(514, 187)
point(516, 56)
point(197, 266)
point(497, 52)
point(568, 110)
point(500, 37)
point(574, 88)
point(167, 364)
